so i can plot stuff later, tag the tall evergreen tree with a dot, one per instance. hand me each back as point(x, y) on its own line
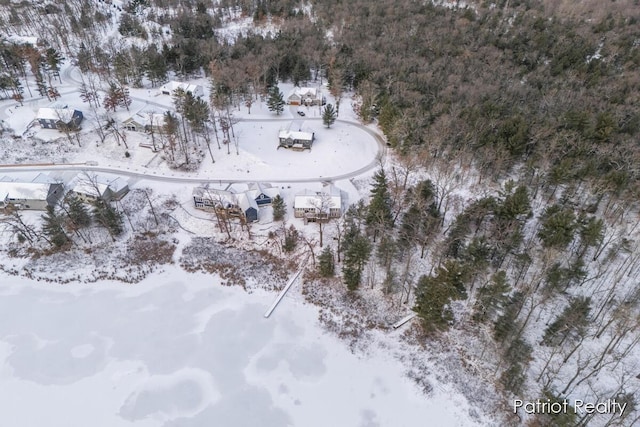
point(279, 208)
point(506, 326)
point(591, 233)
point(570, 323)
point(518, 356)
point(291, 238)
point(77, 212)
point(52, 228)
point(492, 298)
point(356, 254)
point(155, 66)
point(275, 101)
point(108, 217)
point(329, 115)
point(379, 215)
point(326, 266)
point(54, 58)
point(435, 293)
point(558, 227)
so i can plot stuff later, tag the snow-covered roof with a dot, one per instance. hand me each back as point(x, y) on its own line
point(226, 198)
point(97, 190)
point(39, 178)
point(97, 184)
point(64, 114)
point(223, 197)
point(257, 188)
point(24, 190)
point(196, 90)
point(43, 178)
point(146, 119)
point(309, 199)
point(245, 202)
point(305, 92)
point(299, 135)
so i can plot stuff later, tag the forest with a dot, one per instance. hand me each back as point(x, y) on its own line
point(507, 217)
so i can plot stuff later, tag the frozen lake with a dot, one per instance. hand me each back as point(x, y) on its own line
point(180, 350)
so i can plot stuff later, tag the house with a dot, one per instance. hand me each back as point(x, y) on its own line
point(29, 195)
point(318, 205)
point(299, 139)
point(169, 88)
point(59, 118)
point(306, 96)
point(228, 203)
point(145, 122)
point(262, 193)
point(102, 187)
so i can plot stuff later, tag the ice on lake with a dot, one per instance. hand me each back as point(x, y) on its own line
point(180, 350)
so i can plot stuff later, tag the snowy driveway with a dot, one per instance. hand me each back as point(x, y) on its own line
point(180, 350)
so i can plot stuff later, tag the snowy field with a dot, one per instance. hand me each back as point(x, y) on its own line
point(181, 350)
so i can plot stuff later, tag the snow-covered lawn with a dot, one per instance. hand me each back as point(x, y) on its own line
point(178, 349)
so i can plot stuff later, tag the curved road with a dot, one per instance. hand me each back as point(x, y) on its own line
point(142, 173)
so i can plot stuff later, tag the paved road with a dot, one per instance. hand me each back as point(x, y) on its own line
point(178, 177)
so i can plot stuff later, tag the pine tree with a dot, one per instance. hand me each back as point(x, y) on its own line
point(109, 218)
point(43, 89)
point(379, 215)
point(329, 115)
point(117, 96)
point(112, 98)
point(591, 233)
point(291, 237)
point(492, 298)
point(558, 227)
point(518, 355)
point(326, 266)
point(515, 203)
point(77, 212)
point(507, 324)
point(279, 208)
point(570, 323)
point(52, 228)
point(435, 293)
point(275, 102)
point(155, 66)
point(54, 58)
point(356, 254)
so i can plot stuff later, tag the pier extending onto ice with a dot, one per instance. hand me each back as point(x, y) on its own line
point(284, 291)
point(404, 320)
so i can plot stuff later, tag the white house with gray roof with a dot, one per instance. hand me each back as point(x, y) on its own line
point(29, 195)
point(320, 205)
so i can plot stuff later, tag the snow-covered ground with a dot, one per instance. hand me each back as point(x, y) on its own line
point(179, 349)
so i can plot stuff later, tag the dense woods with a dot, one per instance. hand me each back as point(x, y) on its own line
point(507, 216)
